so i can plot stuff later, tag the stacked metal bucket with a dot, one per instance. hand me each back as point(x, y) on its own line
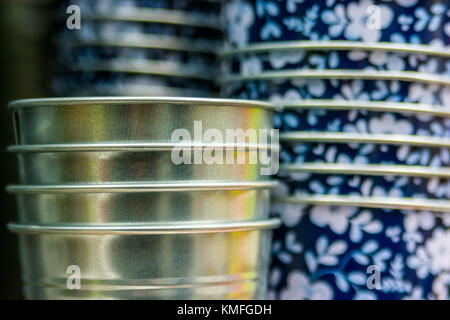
point(135, 48)
point(107, 210)
point(365, 141)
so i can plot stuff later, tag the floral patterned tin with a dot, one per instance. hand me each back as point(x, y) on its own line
point(365, 153)
point(253, 63)
point(340, 89)
point(397, 21)
point(348, 252)
point(366, 185)
point(364, 84)
point(363, 121)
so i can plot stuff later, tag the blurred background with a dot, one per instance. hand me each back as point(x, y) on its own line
point(24, 61)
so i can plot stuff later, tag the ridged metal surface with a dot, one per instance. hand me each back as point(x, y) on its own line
point(208, 205)
point(75, 120)
point(219, 265)
point(115, 166)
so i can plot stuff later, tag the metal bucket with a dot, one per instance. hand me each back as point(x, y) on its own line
point(100, 191)
point(120, 119)
point(232, 203)
point(63, 164)
point(147, 261)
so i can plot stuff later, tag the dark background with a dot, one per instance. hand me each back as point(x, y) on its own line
point(24, 69)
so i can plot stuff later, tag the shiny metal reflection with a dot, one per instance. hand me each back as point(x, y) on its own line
point(143, 229)
point(122, 119)
point(218, 265)
point(144, 187)
point(139, 166)
point(182, 206)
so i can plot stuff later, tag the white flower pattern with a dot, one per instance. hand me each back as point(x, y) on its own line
point(410, 21)
point(322, 252)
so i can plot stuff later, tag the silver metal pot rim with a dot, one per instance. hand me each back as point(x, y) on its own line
point(136, 147)
point(375, 138)
point(339, 45)
point(376, 106)
point(156, 15)
point(407, 76)
point(146, 41)
point(172, 186)
point(146, 229)
point(137, 66)
point(99, 286)
point(147, 284)
point(182, 101)
point(368, 202)
point(367, 169)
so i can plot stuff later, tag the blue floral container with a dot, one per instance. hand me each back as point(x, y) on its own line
point(365, 153)
point(340, 89)
point(366, 185)
point(372, 242)
point(253, 63)
point(362, 121)
point(345, 252)
point(398, 21)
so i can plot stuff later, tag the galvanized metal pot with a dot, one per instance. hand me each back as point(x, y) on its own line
point(120, 119)
point(239, 202)
point(190, 261)
point(65, 165)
